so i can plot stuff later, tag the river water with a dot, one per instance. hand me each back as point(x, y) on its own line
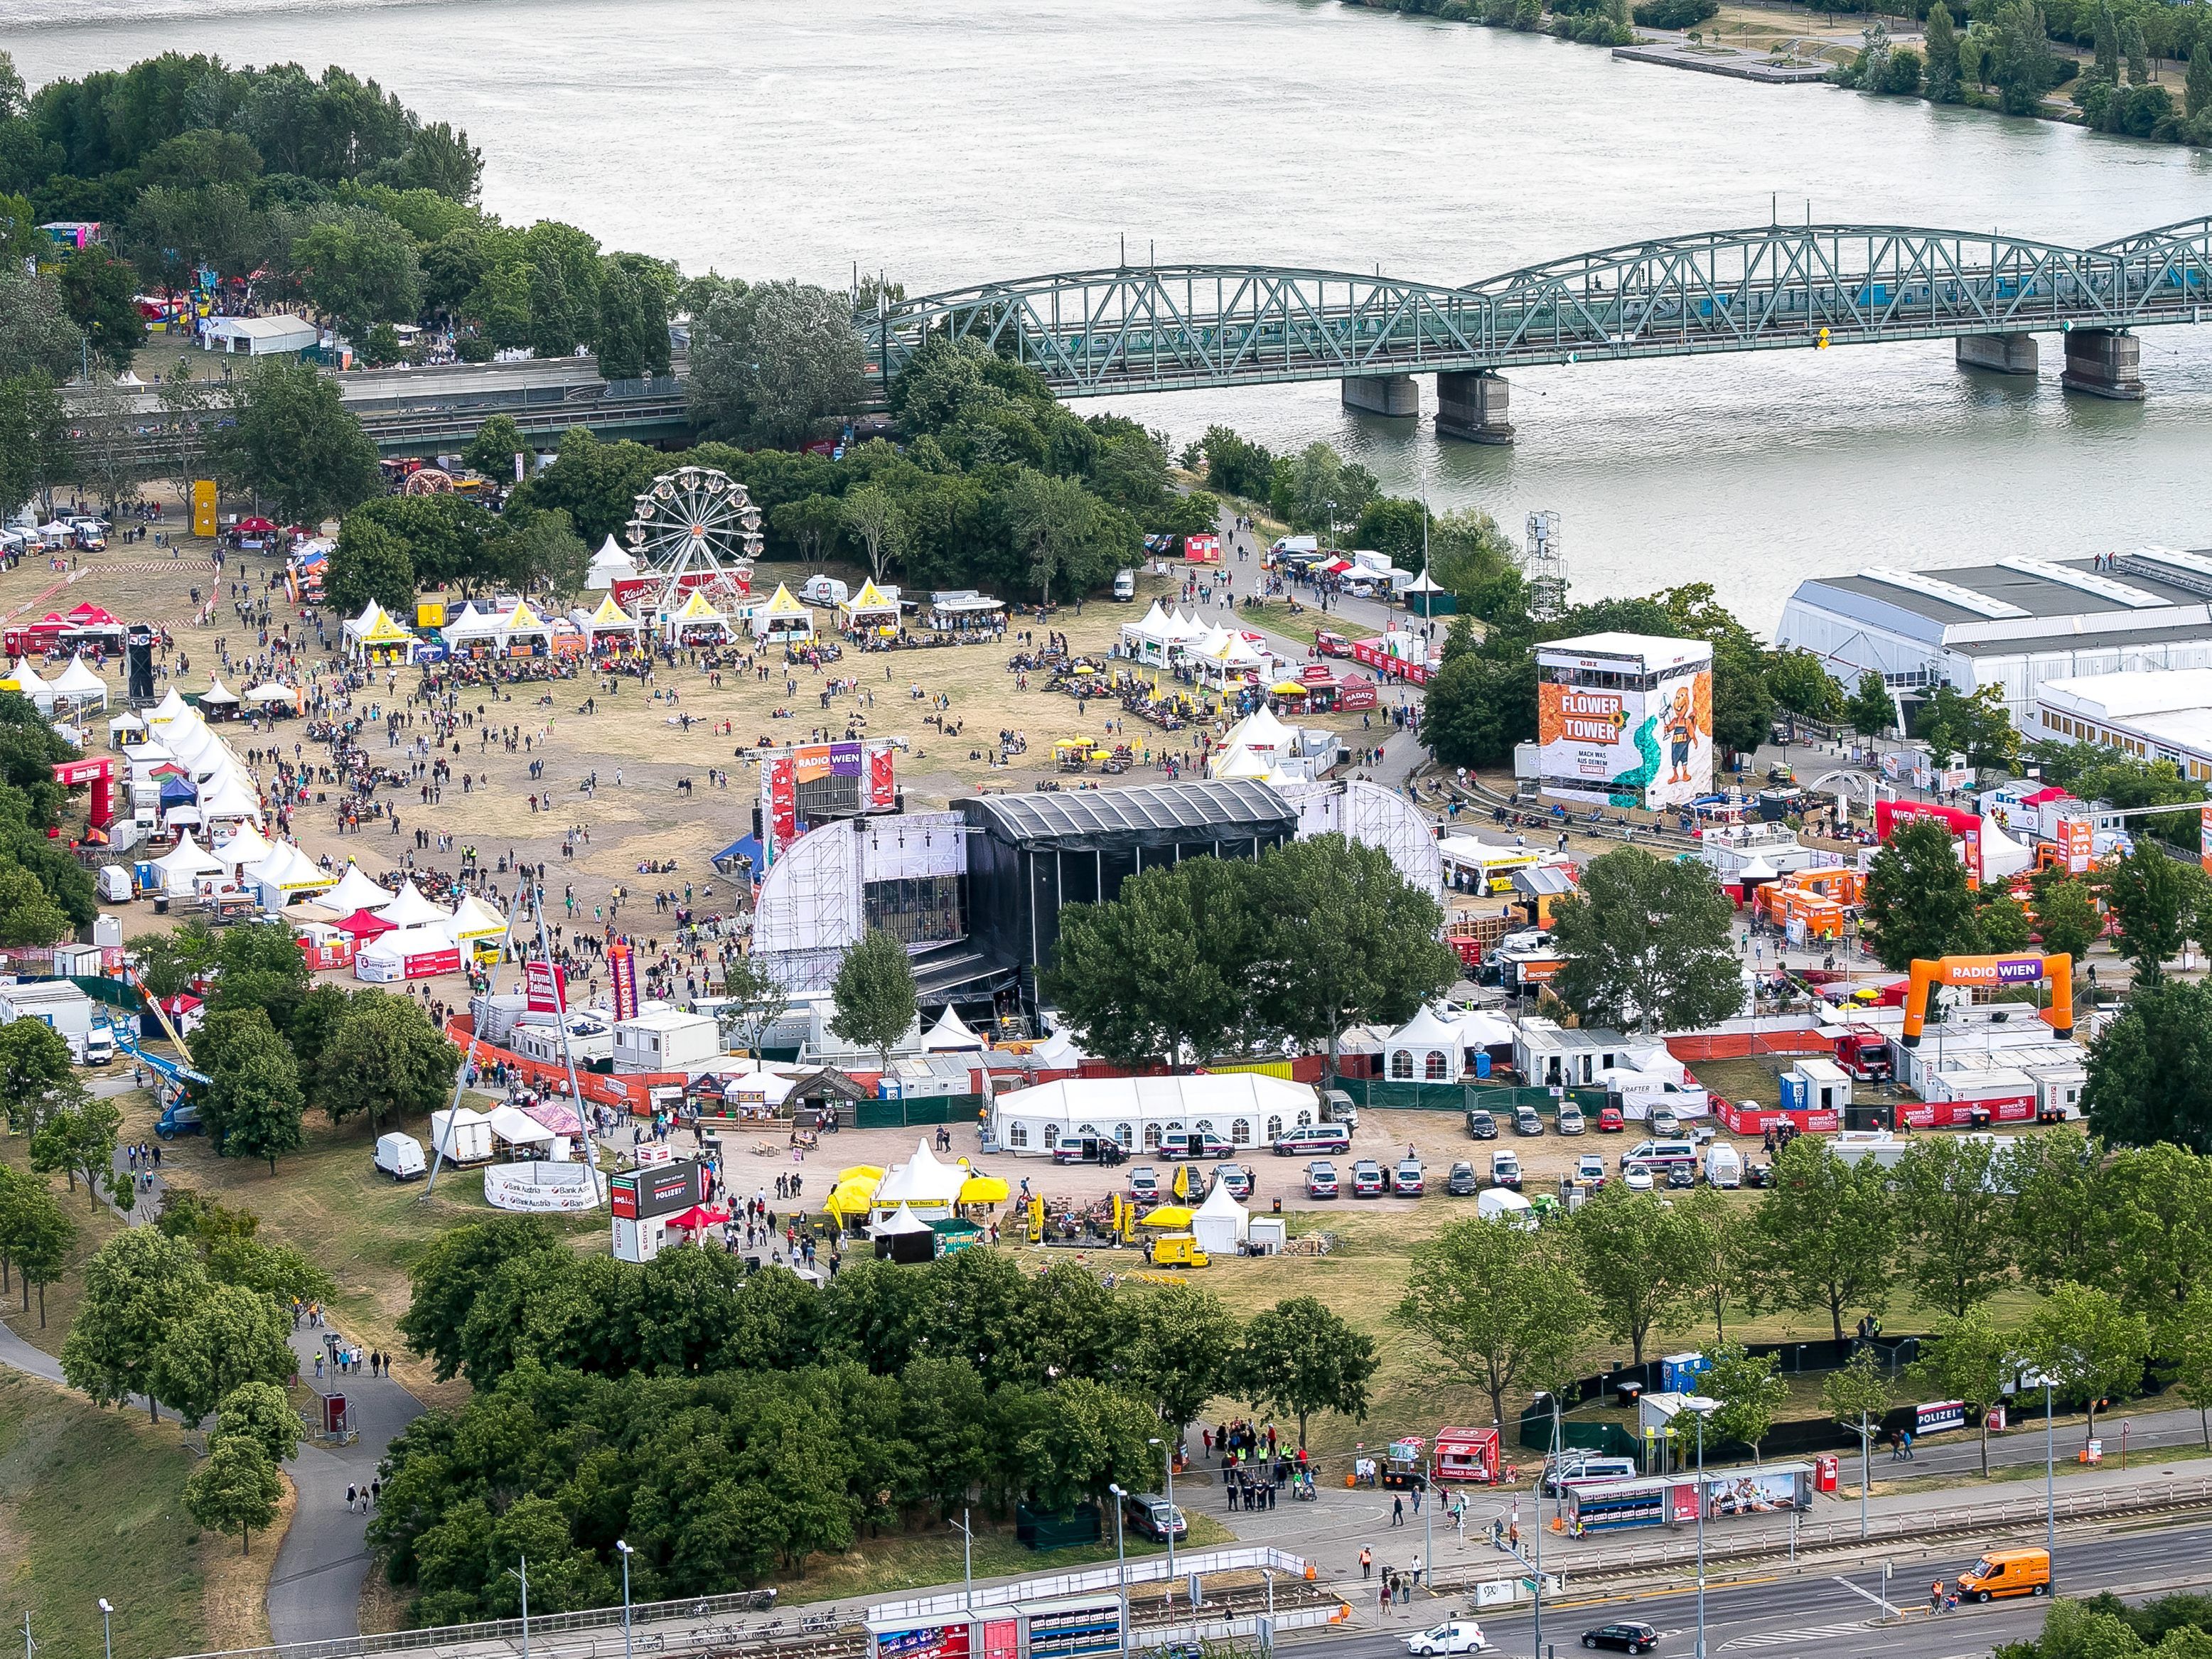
point(953, 140)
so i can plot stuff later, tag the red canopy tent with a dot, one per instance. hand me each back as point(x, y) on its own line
point(362, 925)
point(255, 526)
point(699, 1216)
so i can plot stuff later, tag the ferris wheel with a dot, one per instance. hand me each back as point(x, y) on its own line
point(696, 528)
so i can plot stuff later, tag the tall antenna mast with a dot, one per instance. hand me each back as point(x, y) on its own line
point(1544, 565)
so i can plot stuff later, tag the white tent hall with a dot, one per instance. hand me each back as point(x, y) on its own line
point(182, 867)
point(1425, 1049)
point(1243, 1108)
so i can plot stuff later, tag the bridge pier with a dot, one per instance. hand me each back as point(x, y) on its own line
point(1383, 394)
point(1474, 406)
point(1999, 353)
point(2104, 363)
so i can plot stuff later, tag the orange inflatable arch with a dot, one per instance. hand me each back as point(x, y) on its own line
point(2026, 969)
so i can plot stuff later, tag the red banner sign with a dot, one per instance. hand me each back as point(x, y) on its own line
point(783, 801)
point(544, 989)
point(882, 791)
point(622, 975)
point(1383, 663)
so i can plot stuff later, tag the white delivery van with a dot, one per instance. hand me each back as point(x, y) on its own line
point(1658, 1155)
point(1498, 1204)
point(115, 887)
point(1124, 586)
point(1723, 1165)
point(400, 1156)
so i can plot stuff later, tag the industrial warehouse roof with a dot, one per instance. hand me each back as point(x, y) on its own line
point(1090, 820)
point(2023, 588)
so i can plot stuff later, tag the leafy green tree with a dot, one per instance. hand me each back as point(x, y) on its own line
point(1967, 1358)
point(1182, 1351)
point(360, 269)
point(811, 524)
point(36, 1237)
point(2192, 1362)
point(232, 1335)
point(2196, 87)
point(2156, 1236)
point(1649, 944)
point(139, 1288)
point(770, 364)
point(237, 1489)
point(296, 445)
point(1976, 727)
point(37, 338)
point(1502, 1306)
point(1395, 528)
point(36, 1074)
point(1917, 902)
point(259, 1412)
point(2066, 917)
point(369, 562)
point(874, 994)
point(1345, 939)
point(2150, 1070)
point(1058, 528)
point(1163, 970)
point(542, 549)
point(1717, 1238)
point(1467, 551)
point(1638, 1261)
point(1748, 1390)
point(453, 1271)
point(2022, 64)
point(167, 963)
point(33, 436)
point(1824, 1234)
point(1943, 43)
point(2058, 1221)
point(2091, 1343)
point(1085, 1438)
point(2154, 898)
point(1477, 706)
point(254, 1103)
point(873, 519)
point(385, 1059)
point(1801, 685)
point(1950, 1213)
point(1857, 1396)
point(493, 449)
point(78, 1140)
point(1301, 1357)
point(101, 292)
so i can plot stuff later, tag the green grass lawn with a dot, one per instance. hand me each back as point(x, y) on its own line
point(1275, 614)
point(94, 1227)
point(91, 1505)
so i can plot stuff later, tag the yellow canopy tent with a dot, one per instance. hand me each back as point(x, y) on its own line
point(869, 1172)
point(853, 1198)
point(983, 1189)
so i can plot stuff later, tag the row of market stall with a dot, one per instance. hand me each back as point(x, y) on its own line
point(1209, 654)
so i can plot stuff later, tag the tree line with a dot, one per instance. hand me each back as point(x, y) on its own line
point(2113, 1239)
point(726, 1424)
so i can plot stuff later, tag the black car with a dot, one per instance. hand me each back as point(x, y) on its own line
point(1628, 1637)
point(1758, 1175)
point(1682, 1174)
point(1481, 1126)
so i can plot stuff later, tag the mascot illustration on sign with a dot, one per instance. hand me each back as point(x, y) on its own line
point(1682, 729)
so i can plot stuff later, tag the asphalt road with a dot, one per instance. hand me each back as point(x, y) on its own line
point(1830, 1616)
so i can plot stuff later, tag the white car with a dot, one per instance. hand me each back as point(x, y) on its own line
point(1455, 1636)
point(1637, 1179)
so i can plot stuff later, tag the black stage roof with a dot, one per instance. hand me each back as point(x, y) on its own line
point(1146, 815)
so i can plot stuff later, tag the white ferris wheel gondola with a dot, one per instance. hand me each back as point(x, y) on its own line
point(695, 529)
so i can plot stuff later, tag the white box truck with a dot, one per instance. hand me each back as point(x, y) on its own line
point(400, 1156)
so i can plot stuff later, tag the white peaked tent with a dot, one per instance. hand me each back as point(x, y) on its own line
point(186, 861)
point(1236, 760)
point(247, 847)
point(355, 891)
point(1147, 640)
point(171, 707)
point(230, 800)
point(1424, 1050)
point(1480, 1028)
point(921, 1180)
point(411, 908)
point(472, 919)
point(518, 1128)
point(218, 694)
point(272, 692)
point(1262, 733)
point(1221, 1222)
point(1185, 630)
point(79, 684)
point(899, 1223)
point(41, 694)
point(949, 1034)
point(1058, 1052)
point(286, 873)
point(610, 565)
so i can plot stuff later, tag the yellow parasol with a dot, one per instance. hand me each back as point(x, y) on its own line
point(868, 1172)
point(983, 1189)
point(1292, 689)
point(1084, 668)
point(1168, 1215)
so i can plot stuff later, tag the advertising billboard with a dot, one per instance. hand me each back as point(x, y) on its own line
point(2077, 840)
point(1756, 1492)
point(203, 504)
point(544, 988)
point(813, 784)
point(1650, 747)
point(622, 978)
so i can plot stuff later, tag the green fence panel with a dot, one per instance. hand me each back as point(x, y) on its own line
point(879, 1114)
point(113, 992)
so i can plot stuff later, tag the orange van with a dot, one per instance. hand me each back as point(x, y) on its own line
point(2006, 1572)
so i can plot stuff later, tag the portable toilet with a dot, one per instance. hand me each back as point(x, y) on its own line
point(1815, 1084)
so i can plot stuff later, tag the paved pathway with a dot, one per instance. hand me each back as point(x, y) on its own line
point(314, 1592)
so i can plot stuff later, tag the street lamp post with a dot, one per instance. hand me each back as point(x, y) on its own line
point(106, 1636)
point(1700, 1490)
point(1866, 1474)
point(2049, 1475)
point(1167, 1456)
point(1121, 1572)
point(523, 1578)
point(967, 1564)
point(1429, 1514)
point(625, 1552)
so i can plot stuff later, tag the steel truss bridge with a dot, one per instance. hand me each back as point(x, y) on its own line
point(1091, 333)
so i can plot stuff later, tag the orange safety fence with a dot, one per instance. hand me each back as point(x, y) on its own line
point(632, 1093)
